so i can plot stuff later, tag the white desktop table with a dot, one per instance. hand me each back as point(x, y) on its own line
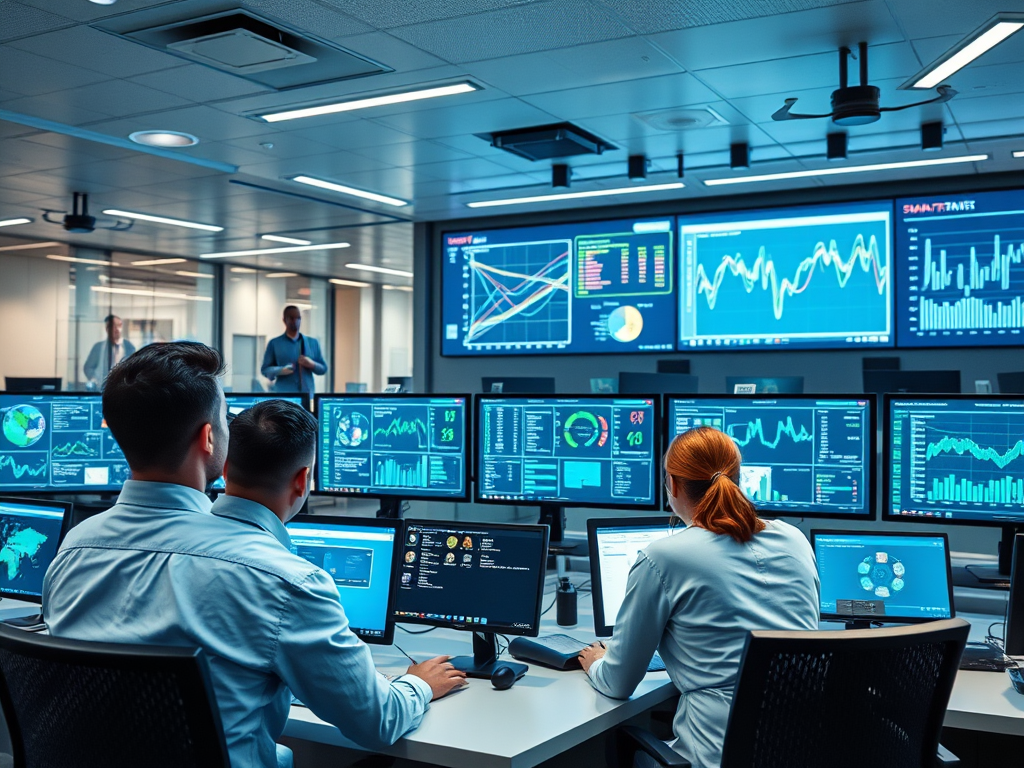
point(545, 714)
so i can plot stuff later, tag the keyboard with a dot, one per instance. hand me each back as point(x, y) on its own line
point(560, 652)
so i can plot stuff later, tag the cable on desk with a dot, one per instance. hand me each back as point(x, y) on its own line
point(415, 631)
point(546, 610)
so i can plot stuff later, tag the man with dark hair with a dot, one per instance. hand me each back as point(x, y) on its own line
point(159, 568)
point(291, 359)
point(105, 354)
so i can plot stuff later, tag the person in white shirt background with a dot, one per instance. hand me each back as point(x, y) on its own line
point(105, 354)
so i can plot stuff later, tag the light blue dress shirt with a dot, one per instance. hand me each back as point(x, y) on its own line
point(693, 597)
point(161, 568)
point(281, 352)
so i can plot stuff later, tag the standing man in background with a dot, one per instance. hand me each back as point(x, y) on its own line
point(107, 353)
point(291, 359)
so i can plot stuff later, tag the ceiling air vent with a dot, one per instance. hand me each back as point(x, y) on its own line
point(545, 142)
point(240, 51)
point(681, 119)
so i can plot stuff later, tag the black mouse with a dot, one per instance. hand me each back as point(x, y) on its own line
point(503, 677)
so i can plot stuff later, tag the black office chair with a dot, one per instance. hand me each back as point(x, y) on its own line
point(73, 704)
point(845, 699)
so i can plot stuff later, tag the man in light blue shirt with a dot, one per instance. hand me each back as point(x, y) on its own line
point(291, 359)
point(159, 568)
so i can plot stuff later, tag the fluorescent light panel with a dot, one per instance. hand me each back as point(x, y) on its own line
point(381, 270)
point(28, 246)
point(1019, 153)
point(836, 171)
point(163, 220)
point(982, 41)
point(333, 187)
point(186, 273)
point(244, 270)
point(76, 260)
point(349, 283)
point(576, 195)
point(372, 101)
point(405, 288)
point(288, 240)
point(148, 294)
point(14, 222)
point(156, 262)
point(281, 274)
point(263, 251)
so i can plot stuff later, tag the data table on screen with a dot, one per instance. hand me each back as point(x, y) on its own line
point(961, 279)
point(582, 287)
point(817, 276)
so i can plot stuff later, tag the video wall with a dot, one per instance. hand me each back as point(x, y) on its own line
point(913, 272)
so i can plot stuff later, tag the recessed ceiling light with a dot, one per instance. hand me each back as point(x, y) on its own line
point(381, 270)
point(312, 182)
point(76, 260)
point(163, 138)
point(370, 101)
point(283, 239)
point(281, 274)
point(983, 39)
point(1019, 153)
point(835, 171)
point(142, 292)
point(575, 195)
point(186, 273)
point(349, 283)
point(15, 222)
point(155, 262)
point(163, 220)
point(103, 2)
point(244, 270)
point(264, 251)
point(28, 246)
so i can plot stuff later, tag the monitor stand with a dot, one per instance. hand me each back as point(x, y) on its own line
point(998, 574)
point(859, 624)
point(485, 658)
point(390, 508)
point(553, 516)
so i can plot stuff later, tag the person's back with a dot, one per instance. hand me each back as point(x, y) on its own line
point(694, 597)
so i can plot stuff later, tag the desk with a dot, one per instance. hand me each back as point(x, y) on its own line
point(545, 714)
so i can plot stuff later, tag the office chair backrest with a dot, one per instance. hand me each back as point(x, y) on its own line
point(73, 704)
point(844, 699)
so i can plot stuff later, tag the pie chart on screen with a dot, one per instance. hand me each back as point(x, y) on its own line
point(625, 324)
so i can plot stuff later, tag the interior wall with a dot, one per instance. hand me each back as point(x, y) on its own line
point(34, 308)
point(347, 335)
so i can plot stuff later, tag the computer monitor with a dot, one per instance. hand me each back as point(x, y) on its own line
point(518, 385)
point(872, 577)
point(485, 578)
point(58, 442)
point(580, 451)
point(32, 383)
point(614, 546)
point(656, 383)
point(764, 385)
point(32, 532)
point(803, 455)
point(921, 382)
point(393, 447)
point(361, 555)
point(1011, 382)
point(956, 459)
point(1014, 645)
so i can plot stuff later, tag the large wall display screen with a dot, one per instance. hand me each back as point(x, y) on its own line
point(814, 276)
point(961, 276)
point(572, 288)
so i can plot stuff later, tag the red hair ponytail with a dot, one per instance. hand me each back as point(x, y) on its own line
point(705, 463)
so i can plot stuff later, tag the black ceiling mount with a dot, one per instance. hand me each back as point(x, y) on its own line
point(545, 142)
point(858, 104)
point(79, 220)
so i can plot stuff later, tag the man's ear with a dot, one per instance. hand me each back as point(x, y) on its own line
point(206, 438)
point(299, 481)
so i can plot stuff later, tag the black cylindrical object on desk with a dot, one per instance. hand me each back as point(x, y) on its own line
point(565, 603)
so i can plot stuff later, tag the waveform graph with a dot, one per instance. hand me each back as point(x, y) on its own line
point(86, 445)
point(816, 279)
point(24, 469)
point(772, 437)
point(520, 294)
point(400, 428)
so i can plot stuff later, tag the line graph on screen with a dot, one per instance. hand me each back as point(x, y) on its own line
point(520, 293)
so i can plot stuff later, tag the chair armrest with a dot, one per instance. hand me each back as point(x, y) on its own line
point(946, 759)
point(632, 739)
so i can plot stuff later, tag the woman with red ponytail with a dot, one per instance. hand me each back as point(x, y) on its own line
point(695, 595)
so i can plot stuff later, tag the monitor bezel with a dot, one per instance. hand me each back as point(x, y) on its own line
point(870, 466)
point(345, 521)
point(68, 508)
point(306, 400)
point(406, 495)
point(887, 514)
point(98, 490)
point(813, 534)
point(532, 631)
point(655, 506)
point(601, 627)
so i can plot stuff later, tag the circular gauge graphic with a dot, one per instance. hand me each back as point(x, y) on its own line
point(353, 429)
point(625, 324)
point(881, 574)
point(585, 428)
point(24, 425)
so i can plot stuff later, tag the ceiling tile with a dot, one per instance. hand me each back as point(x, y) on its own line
point(986, 108)
point(20, 20)
point(521, 29)
point(413, 153)
point(334, 165)
point(1010, 51)
point(308, 16)
point(945, 17)
point(624, 98)
point(285, 145)
point(472, 168)
point(198, 83)
point(54, 107)
point(389, 50)
point(477, 118)
point(386, 15)
point(354, 134)
point(89, 11)
point(31, 75)
point(207, 123)
point(648, 16)
point(80, 148)
point(118, 98)
point(105, 53)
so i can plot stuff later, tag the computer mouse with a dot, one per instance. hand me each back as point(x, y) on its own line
point(503, 677)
